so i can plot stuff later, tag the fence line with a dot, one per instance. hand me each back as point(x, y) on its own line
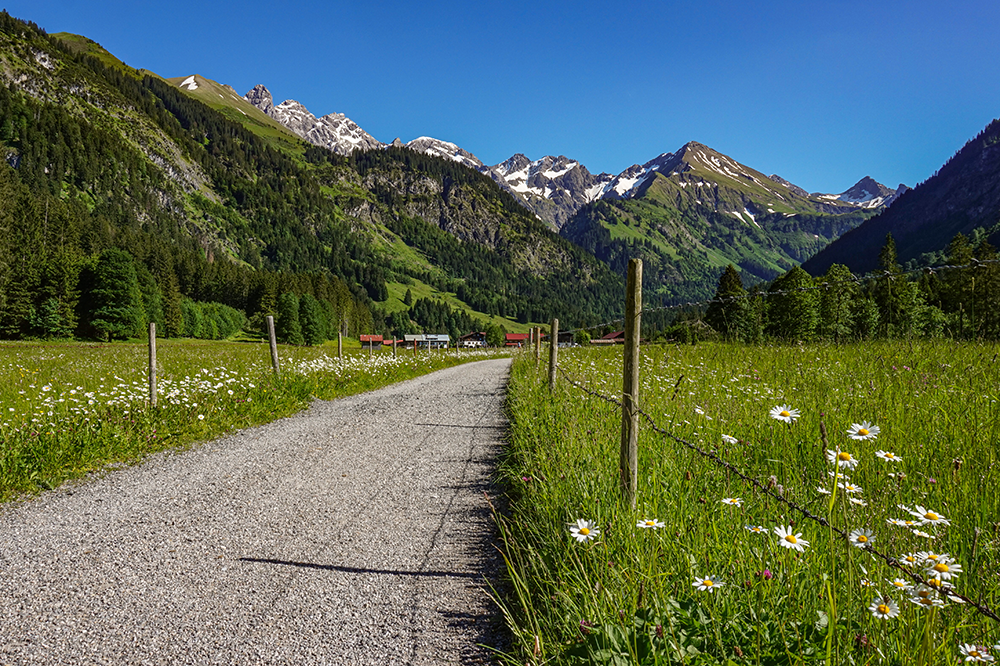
point(944, 590)
point(823, 286)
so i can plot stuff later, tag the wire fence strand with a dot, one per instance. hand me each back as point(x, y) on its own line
point(944, 590)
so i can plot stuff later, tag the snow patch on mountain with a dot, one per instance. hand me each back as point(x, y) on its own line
point(190, 83)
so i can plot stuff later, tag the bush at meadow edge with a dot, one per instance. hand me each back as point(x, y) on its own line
point(715, 583)
point(69, 409)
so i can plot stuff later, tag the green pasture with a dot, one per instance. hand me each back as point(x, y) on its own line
point(67, 409)
point(718, 583)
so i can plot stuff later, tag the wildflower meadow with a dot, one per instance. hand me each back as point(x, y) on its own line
point(70, 409)
point(844, 507)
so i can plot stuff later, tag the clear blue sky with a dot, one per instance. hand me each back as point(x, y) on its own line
point(821, 93)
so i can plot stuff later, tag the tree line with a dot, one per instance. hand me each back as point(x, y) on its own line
point(961, 302)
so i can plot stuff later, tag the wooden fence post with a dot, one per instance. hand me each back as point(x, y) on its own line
point(274, 345)
point(394, 346)
point(553, 353)
point(340, 345)
point(629, 461)
point(538, 346)
point(152, 364)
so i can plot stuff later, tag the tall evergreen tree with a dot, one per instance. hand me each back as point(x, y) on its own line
point(286, 325)
point(115, 300)
point(311, 320)
point(728, 311)
point(793, 306)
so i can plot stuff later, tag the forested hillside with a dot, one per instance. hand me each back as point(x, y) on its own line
point(101, 158)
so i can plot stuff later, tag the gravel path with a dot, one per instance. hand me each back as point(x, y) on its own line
point(353, 533)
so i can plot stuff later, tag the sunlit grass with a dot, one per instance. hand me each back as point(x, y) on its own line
point(635, 592)
point(69, 409)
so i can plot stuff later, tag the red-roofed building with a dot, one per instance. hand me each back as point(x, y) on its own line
point(515, 339)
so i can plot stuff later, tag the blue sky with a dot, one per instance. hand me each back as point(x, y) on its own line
point(819, 93)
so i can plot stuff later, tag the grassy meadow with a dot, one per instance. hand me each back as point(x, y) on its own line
point(709, 570)
point(67, 409)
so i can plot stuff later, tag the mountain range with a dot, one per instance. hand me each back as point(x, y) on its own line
point(553, 187)
point(231, 184)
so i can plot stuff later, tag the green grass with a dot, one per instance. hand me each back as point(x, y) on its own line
point(633, 589)
point(67, 409)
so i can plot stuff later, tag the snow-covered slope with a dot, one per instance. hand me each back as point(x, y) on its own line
point(334, 131)
point(439, 148)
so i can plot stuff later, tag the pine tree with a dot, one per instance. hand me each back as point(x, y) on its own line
point(727, 313)
point(793, 307)
point(408, 298)
point(836, 303)
point(311, 321)
point(286, 325)
point(115, 300)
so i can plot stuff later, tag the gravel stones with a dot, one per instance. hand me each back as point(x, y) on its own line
point(355, 532)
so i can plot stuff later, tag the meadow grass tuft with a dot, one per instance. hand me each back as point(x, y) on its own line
point(734, 575)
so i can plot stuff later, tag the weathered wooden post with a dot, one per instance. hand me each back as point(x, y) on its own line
point(553, 353)
point(152, 364)
point(394, 346)
point(340, 345)
point(274, 345)
point(629, 461)
point(538, 346)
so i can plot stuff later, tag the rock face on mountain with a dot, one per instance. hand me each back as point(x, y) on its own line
point(334, 131)
point(690, 213)
point(866, 193)
point(554, 188)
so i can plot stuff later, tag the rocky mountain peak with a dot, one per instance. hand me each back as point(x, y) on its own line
point(793, 187)
point(334, 131)
point(260, 97)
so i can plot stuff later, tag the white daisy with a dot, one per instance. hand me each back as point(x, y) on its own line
point(888, 455)
point(863, 430)
point(707, 584)
point(789, 540)
point(884, 609)
point(975, 653)
point(858, 501)
point(901, 584)
point(843, 459)
point(729, 439)
point(649, 524)
point(861, 537)
point(928, 517)
point(733, 501)
point(757, 529)
point(850, 487)
point(584, 530)
point(944, 569)
point(784, 413)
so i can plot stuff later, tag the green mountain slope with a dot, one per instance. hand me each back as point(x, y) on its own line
point(696, 211)
point(218, 204)
point(963, 196)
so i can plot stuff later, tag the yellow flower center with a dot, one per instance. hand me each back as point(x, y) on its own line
point(708, 583)
point(898, 583)
point(791, 539)
point(930, 515)
point(843, 455)
point(941, 567)
point(584, 531)
point(934, 582)
point(650, 522)
point(974, 653)
point(862, 538)
point(862, 432)
point(932, 556)
point(890, 455)
point(883, 609)
point(784, 413)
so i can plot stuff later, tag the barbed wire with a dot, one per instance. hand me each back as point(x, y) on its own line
point(854, 280)
point(944, 590)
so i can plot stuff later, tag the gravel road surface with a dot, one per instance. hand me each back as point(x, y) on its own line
point(353, 533)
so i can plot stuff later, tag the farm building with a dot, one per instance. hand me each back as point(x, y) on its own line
point(477, 339)
point(515, 339)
